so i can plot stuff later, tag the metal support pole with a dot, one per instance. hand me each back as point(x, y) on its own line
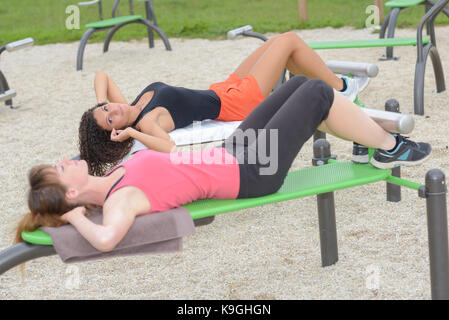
point(319, 135)
point(150, 16)
point(302, 11)
point(5, 87)
point(435, 194)
point(394, 13)
point(393, 190)
point(326, 209)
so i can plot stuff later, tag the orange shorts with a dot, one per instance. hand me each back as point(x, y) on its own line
point(238, 97)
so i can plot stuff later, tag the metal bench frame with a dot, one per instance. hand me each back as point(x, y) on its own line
point(150, 22)
point(6, 93)
point(424, 49)
point(389, 24)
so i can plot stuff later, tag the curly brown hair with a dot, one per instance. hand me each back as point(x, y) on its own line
point(96, 147)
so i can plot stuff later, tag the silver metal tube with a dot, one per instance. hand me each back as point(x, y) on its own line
point(88, 3)
point(8, 94)
point(232, 34)
point(19, 44)
point(392, 121)
point(356, 68)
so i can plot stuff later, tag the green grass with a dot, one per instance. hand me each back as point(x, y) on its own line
point(44, 20)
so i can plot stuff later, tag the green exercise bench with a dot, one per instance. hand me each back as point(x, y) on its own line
point(396, 7)
point(115, 23)
point(326, 176)
point(425, 46)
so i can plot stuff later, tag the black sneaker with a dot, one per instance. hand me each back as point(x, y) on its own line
point(360, 153)
point(406, 153)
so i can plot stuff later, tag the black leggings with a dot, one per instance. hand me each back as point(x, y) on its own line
point(295, 110)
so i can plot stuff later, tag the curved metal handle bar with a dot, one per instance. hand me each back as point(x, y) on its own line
point(158, 31)
point(428, 17)
point(255, 35)
point(142, 21)
point(88, 3)
point(19, 44)
point(115, 8)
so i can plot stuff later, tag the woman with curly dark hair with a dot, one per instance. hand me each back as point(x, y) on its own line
point(107, 130)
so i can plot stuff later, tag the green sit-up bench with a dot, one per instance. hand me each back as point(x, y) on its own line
point(115, 23)
point(326, 176)
point(425, 46)
point(396, 7)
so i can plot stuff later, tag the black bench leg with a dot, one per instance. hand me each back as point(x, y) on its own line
point(420, 70)
point(158, 31)
point(437, 69)
point(319, 135)
point(326, 210)
point(328, 229)
point(203, 221)
point(435, 194)
point(82, 46)
point(393, 190)
point(152, 17)
point(5, 87)
point(384, 26)
point(393, 17)
point(109, 36)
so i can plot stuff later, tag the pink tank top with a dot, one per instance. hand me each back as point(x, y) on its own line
point(170, 180)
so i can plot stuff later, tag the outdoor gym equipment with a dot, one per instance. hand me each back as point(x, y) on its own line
point(116, 22)
point(389, 23)
point(6, 94)
point(425, 46)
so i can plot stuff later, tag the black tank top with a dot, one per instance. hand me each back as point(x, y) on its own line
point(185, 105)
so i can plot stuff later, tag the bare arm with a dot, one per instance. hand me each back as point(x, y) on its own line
point(119, 213)
point(152, 127)
point(154, 142)
point(150, 141)
point(106, 89)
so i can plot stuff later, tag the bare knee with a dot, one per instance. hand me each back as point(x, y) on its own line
point(292, 38)
point(289, 40)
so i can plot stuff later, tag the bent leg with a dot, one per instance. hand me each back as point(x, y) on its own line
point(288, 50)
point(313, 105)
point(259, 117)
point(347, 121)
point(247, 64)
point(279, 142)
